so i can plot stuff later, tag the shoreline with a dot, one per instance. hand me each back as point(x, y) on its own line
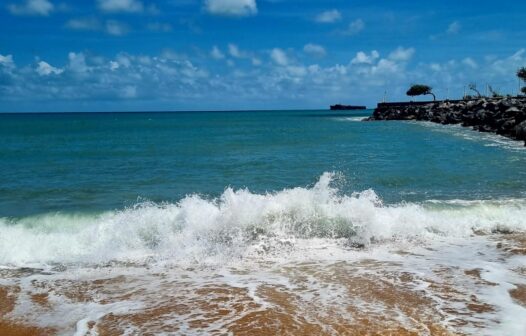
point(410, 291)
point(504, 116)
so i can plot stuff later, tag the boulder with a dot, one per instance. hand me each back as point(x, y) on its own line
point(520, 131)
point(505, 115)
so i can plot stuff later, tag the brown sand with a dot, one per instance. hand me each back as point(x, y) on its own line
point(10, 327)
point(519, 294)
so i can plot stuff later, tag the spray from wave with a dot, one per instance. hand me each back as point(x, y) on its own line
point(199, 230)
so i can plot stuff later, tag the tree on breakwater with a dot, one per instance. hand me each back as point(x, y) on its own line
point(420, 89)
point(521, 73)
point(494, 93)
point(473, 87)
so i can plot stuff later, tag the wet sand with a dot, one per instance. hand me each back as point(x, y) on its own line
point(419, 293)
point(14, 326)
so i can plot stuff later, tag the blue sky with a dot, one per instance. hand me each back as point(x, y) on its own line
point(116, 55)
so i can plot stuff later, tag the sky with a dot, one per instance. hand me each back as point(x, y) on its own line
point(168, 55)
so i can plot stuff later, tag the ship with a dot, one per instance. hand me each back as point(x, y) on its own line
point(347, 107)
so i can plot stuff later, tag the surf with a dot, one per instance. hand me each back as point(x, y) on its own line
point(197, 229)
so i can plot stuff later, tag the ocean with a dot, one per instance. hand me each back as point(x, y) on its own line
point(259, 222)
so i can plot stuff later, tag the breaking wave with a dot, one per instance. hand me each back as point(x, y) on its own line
point(196, 229)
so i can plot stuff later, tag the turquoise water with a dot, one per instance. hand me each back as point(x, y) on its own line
point(138, 210)
point(88, 163)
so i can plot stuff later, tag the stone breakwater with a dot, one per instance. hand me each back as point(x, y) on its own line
point(504, 116)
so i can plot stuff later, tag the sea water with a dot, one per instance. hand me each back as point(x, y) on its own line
point(256, 209)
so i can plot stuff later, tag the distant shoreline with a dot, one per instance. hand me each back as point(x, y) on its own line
point(159, 112)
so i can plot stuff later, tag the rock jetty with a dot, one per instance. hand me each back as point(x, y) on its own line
point(504, 116)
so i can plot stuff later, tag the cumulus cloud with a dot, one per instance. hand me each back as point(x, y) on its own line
point(234, 51)
point(362, 57)
point(159, 27)
point(45, 69)
point(77, 63)
point(32, 7)
point(113, 6)
point(355, 27)
point(509, 64)
point(470, 63)
point(329, 16)
point(170, 77)
point(231, 7)
point(128, 92)
point(454, 28)
point(216, 53)
point(114, 65)
point(401, 54)
point(314, 50)
point(279, 56)
point(92, 78)
point(7, 61)
point(89, 23)
point(111, 27)
point(116, 28)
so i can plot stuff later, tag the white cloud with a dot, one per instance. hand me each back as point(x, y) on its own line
point(518, 56)
point(231, 7)
point(329, 16)
point(297, 71)
point(124, 60)
point(77, 63)
point(279, 56)
point(111, 27)
point(385, 66)
point(283, 81)
point(435, 67)
point(470, 62)
point(315, 50)
point(114, 65)
point(172, 55)
point(129, 6)
point(355, 27)
point(216, 53)
point(32, 7)
point(401, 54)
point(454, 28)
point(128, 92)
point(45, 69)
point(116, 28)
point(362, 57)
point(84, 24)
point(510, 64)
point(159, 27)
point(7, 61)
point(234, 51)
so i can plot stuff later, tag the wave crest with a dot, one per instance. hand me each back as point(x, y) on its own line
point(197, 229)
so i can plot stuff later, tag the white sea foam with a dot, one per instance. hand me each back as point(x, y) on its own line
point(353, 119)
point(202, 230)
point(489, 139)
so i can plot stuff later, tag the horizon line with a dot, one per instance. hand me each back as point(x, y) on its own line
point(168, 111)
